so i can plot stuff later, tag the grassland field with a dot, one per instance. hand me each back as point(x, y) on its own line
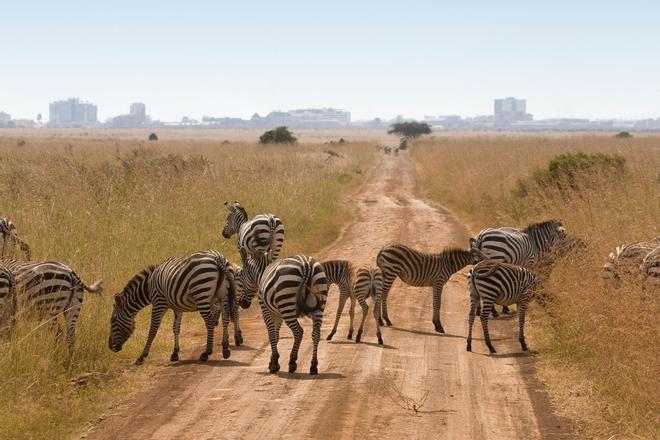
point(599, 351)
point(108, 207)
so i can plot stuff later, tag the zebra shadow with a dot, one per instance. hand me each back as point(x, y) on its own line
point(423, 332)
point(512, 355)
point(243, 348)
point(304, 376)
point(210, 362)
point(371, 344)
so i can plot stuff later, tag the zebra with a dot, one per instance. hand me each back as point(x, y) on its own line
point(368, 283)
point(650, 269)
point(248, 277)
point(492, 282)
point(10, 238)
point(7, 297)
point(183, 284)
point(519, 246)
point(625, 261)
point(340, 272)
point(52, 289)
point(290, 288)
point(264, 233)
point(418, 269)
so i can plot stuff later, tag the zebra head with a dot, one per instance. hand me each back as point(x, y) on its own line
point(8, 235)
point(547, 235)
point(122, 324)
point(236, 217)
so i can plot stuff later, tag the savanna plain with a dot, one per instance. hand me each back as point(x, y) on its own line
point(111, 203)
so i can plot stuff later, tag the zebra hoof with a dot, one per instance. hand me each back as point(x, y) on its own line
point(139, 361)
point(329, 338)
point(358, 337)
point(492, 350)
point(438, 328)
point(174, 357)
point(469, 346)
point(389, 323)
point(273, 368)
point(313, 370)
point(204, 357)
point(380, 322)
point(380, 340)
point(238, 339)
point(226, 353)
point(350, 335)
point(293, 367)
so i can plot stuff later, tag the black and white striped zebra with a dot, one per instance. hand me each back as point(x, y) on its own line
point(340, 272)
point(521, 247)
point(51, 289)
point(419, 269)
point(649, 270)
point(183, 284)
point(264, 233)
point(248, 277)
point(625, 262)
point(368, 283)
point(491, 283)
point(10, 239)
point(7, 298)
point(290, 288)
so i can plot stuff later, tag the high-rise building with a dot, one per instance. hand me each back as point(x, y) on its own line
point(72, 113)
point(510, 110)
point(139, 111)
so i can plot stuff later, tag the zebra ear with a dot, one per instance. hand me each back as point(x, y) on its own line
point(236, 204)
point(227, 206)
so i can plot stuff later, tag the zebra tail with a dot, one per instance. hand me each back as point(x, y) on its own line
point(475, 249)
point(96, 287)
point(303, 300)
point(232, 297)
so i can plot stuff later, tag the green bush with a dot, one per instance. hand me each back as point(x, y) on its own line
point(280, 135)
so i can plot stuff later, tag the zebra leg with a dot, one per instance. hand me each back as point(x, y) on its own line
point(387, 285)
point(209, 321)
point(522, 308)
point(472, 314)
point(340, 310)
point(298, 332)
point(505, 310)
point(226, 317)
point(497, 315)
point(485, 313)
point(365, 311)
point(273, 324)
point(351, 314)
point(56, 327)
point(437, 300)
point(157, 313)
point(238, 334)
point(317, 320)
point(71, 317)
point(176, 329)
point(377, 309)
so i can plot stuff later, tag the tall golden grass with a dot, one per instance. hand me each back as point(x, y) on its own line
point(599, 346)
point(110, 207)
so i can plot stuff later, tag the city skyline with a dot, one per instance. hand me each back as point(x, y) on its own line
point(588, 59)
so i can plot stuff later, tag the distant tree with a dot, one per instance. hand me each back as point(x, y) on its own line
point(153, 137)
point(623, 134)
point(410, 130)
point(39, 118)
point(280, 135)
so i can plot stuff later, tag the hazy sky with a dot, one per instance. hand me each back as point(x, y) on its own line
point(593, 59)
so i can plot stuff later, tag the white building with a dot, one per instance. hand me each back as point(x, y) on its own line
point(72, 113)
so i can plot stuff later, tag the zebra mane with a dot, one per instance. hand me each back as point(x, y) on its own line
point(453, 251)
point(541, 226)
point(137, 279)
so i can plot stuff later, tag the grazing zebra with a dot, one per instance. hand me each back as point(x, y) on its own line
point(51, 289)
point(263, 234)
point(368, 283)
point(290, 288)
point(340, 272)
point(7, 297)
point(10, 239)
point(183, 284)
point(650, 269)
point(419, 269)
point(492, 282)
point(519, 246)
point(625, 261)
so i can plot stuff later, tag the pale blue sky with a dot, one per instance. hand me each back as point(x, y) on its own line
point(594, 59)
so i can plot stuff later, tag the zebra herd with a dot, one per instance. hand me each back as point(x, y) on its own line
point(505, 271)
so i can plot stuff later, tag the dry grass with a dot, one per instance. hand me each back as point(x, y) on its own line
point(108, 208)
point(601, 357)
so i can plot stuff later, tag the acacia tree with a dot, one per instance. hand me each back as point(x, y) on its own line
point(410, 130)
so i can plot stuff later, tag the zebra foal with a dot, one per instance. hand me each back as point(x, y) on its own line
point(418, 269)
point(9, 238)
point(491, 283)
point(289, 288)
point(183, 284)
point(368, 283)
point(340, 272)
point(264, 233)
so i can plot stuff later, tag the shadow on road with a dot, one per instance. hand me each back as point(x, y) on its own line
point(304, 376)
point(211, 362)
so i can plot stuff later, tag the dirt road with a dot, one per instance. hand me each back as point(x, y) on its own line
point(361, 389)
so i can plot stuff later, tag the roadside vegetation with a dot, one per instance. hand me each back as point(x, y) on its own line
point(110, 207)
point(599, 345)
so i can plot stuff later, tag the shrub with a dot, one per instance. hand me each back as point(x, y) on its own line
point(153, 137)
point(410, 130)
point(623, 134)
point(280, 135)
